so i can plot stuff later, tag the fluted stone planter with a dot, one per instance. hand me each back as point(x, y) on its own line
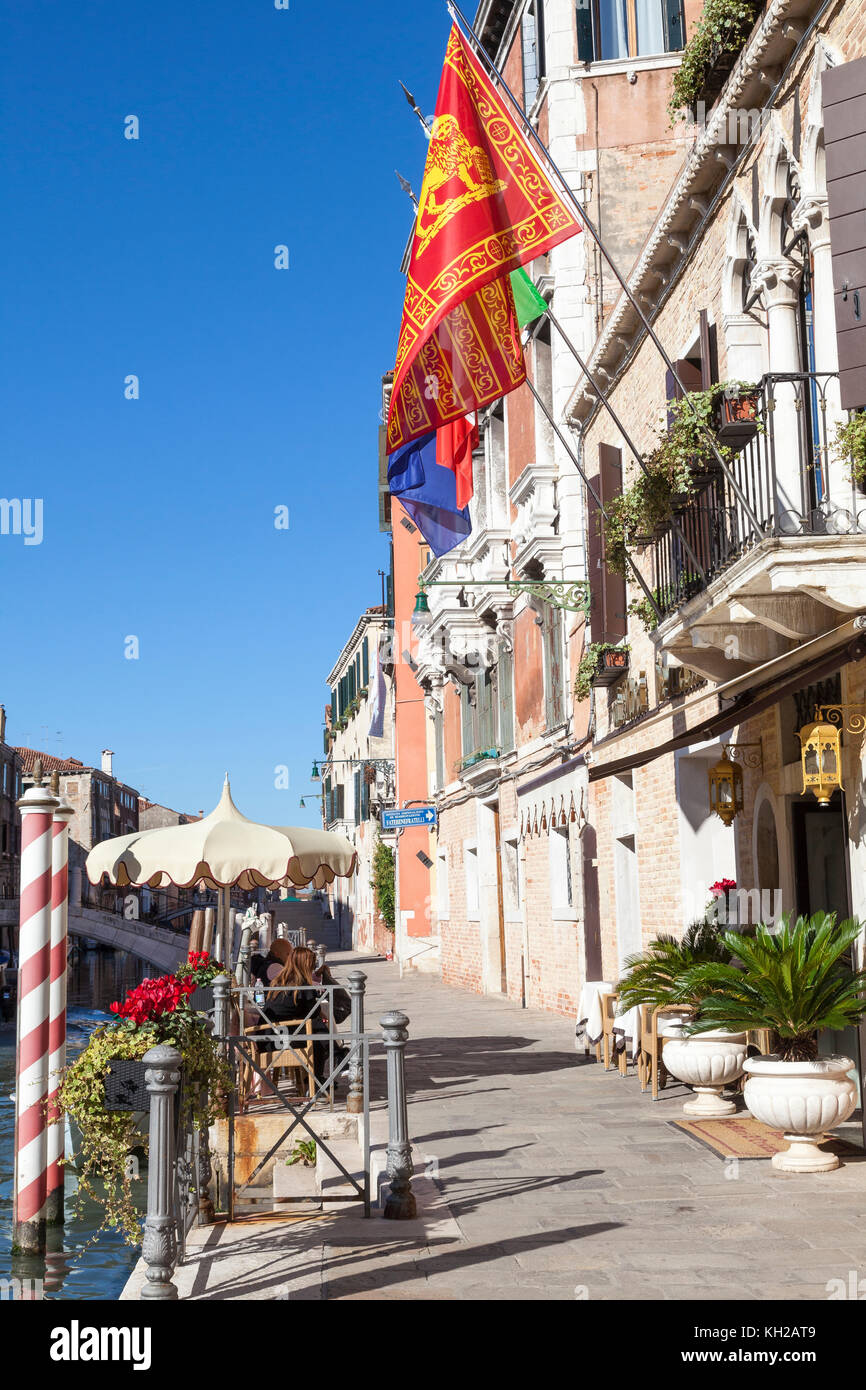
point(804, 1100)
point(708, 1062)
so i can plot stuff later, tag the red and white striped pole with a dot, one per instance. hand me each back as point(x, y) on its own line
point(56, 1132)
point(37, 806)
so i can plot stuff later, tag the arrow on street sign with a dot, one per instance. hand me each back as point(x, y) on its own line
point(404, 820)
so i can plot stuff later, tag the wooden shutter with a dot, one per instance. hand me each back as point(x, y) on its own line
point(505, 700)
point(585, 45)
point(607, 591)
point(356, 797)
point(365, 666)
point(844, 96)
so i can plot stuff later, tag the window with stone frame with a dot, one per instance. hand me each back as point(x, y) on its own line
point(611, 29)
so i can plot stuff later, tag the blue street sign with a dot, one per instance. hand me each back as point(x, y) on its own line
point(403, 820)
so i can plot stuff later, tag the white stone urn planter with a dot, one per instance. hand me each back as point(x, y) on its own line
point(708, 1062)
point(804, 1100)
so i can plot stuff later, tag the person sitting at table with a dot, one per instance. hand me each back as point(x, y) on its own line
point(293, 995)
point(267, 968)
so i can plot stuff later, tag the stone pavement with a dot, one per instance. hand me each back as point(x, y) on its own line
point(541, 1176)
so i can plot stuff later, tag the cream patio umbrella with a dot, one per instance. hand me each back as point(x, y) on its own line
point(223, 850)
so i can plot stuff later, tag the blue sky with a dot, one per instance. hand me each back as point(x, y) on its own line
point(258, 387)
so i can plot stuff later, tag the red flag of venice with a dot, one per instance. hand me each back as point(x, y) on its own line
point(486, 207)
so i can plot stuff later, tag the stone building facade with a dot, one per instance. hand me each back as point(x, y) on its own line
point(757, 570)
point(497, 663)
point(357, 771)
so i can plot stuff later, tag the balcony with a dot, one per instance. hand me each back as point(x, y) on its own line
point(752, 566)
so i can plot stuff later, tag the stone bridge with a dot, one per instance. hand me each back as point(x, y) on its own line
point(158, 946)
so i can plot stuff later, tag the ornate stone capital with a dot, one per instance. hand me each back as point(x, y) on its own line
point(810, 215)
point(779, 278)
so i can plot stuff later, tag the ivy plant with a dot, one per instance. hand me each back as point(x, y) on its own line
point(383, 882)
point(722, 29)
point(850, 441)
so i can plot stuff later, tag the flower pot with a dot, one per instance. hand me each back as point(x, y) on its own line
point(708, 1062)
point(738, 418)
point(804, 1100)
point(611, 665)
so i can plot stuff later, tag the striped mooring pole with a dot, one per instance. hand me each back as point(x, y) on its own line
point(56, 1132)
point(37, 807)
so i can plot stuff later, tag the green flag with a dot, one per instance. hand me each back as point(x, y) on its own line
point(527, 301)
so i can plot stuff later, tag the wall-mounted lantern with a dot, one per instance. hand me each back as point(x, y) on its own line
point(821, 748)
point(726, 788)
point(726, 779)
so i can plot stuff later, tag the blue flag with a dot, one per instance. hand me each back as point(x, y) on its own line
point(429, 494)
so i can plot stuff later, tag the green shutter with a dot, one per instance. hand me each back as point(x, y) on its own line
point(365, 669)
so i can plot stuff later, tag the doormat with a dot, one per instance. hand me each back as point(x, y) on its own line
point(744, 1137)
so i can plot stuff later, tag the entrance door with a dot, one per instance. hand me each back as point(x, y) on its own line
point(821, 858)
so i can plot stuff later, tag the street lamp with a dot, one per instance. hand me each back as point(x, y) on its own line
point(303, 803)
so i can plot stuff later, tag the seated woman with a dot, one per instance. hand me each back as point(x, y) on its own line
point(297, 996)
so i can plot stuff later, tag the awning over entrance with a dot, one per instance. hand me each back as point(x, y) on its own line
point(745, 705)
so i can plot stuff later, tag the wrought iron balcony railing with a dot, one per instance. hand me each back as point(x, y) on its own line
point(790, 477)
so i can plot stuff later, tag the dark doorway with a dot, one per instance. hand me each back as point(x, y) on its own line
point(821, 858)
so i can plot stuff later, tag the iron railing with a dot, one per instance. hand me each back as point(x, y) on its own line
point(714, 524)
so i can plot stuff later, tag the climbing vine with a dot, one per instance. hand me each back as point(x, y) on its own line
point(722, 28)
point(383, 882)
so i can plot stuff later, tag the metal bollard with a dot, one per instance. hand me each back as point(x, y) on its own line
point(204, 1176)
point(159, 1245)
point(357, 983)
point(400, 1202)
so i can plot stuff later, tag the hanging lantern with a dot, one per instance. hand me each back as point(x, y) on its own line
point(821, 756)
point(726, 788)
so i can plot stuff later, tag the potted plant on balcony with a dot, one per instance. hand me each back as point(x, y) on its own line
point(601, 664)
point(737, 405)
point(850, 441)
point(711, 52)
point(795, 981)
point(667, 973)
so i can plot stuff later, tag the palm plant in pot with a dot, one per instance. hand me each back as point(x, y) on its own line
point(795, 981)
point(664, 975)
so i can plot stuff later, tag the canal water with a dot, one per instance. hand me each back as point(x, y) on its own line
point(69, 1271)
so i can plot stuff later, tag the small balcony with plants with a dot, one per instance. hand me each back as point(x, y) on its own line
point(749, 523)
point(710, 54)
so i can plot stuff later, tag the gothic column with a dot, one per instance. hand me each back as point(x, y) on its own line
point(780, 280)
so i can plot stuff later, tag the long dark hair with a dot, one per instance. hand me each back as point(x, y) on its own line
point(298, 969)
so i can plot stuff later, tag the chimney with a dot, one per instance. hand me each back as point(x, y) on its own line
point(107, 756)
point(2, 723)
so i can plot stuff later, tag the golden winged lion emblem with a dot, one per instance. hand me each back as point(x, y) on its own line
point(451, 156)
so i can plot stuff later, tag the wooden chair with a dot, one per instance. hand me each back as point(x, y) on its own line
point(650, 1063)
point(608, 1013)
point(296, 1058)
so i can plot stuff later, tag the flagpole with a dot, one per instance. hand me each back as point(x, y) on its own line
point(458, 16)
point(605, 400)
point(592, 492)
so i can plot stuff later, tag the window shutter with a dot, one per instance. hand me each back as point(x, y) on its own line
point(505, 700)
point(365, 670)
point(844, 97)
point(608, 619)
point(674, 25)
point(356, 797)
point(585, 43)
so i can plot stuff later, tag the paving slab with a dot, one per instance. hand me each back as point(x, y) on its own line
point(541, 1176)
